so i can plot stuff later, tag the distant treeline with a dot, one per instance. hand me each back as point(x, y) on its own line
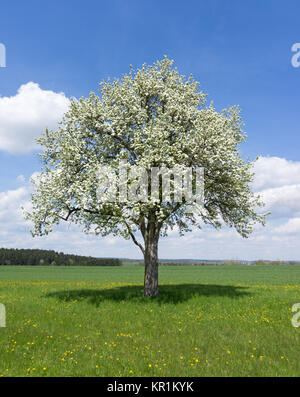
point(263, 262)
point(188, 264)
point(228, 263)
point(36, 257)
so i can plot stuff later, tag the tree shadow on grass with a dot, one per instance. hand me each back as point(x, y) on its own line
point(168, 293)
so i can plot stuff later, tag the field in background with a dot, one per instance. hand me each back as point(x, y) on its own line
point(94, 321)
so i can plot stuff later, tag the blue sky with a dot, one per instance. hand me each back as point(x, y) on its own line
point(239, 51)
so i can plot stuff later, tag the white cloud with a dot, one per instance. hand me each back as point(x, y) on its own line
point(282, 201)
point(292, 226)
point(277, 180)
point(271, 172)
point(27, 114)
point(10, 202)
point(20, 178)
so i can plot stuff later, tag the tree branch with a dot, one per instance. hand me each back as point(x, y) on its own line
point(134, 239)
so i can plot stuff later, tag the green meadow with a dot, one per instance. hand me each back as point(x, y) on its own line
point(94, 321)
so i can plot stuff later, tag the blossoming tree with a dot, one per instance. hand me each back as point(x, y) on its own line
point(152, 117)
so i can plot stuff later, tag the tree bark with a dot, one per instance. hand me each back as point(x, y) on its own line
point(151, 267)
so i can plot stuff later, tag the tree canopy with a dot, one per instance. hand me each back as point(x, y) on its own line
point(151, 117)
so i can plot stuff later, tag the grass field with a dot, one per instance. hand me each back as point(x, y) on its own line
point(208, 321)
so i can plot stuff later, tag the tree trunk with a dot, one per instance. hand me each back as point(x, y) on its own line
point(151, 266)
